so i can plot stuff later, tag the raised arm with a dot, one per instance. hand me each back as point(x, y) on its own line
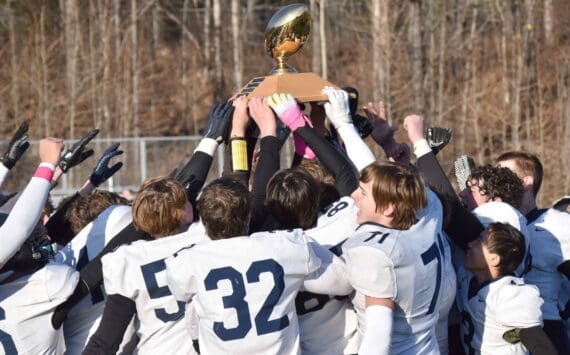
point(290, 114)
point(16, 149)
point(27, 211)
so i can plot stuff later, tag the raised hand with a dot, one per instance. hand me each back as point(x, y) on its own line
point(78, 152)
point(17, 146)
point(382, 132)
point(438, 138)
point(263, 116)
point(414, 125)
point(287, 109)
point(102, 170)
point(50, 149)
point(218, 121)
point(240, 117)
point(337, 109)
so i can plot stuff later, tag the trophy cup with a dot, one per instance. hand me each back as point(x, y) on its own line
point(285, 34)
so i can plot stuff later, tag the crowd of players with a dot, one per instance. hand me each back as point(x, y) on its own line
point(342, 253)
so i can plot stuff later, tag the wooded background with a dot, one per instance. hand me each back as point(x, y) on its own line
point(496, 72)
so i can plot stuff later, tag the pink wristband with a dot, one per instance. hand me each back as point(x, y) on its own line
point(44, 172)
point(302, 149)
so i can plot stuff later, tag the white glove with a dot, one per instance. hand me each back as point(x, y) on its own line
point(337, 108)
point(287, 109)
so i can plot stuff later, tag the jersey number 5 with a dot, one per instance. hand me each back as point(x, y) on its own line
point(237, 299)
point(149, 272)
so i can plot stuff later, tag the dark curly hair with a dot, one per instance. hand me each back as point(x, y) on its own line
point(496, 182)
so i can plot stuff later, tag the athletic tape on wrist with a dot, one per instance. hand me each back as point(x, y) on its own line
point(238, 148)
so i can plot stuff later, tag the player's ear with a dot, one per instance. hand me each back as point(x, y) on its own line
point(389, 210)
point(528, 182)
point(495, 260)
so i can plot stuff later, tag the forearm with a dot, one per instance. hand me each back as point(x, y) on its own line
point(460, 224)
point(26, 212)
point(357, 150)
point(345, 178)
point(117, 315)
point(199, 167)
point(378, 333)
point(267, 165)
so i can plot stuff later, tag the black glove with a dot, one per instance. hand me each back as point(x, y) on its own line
point(102, 171)
point(438, 138)
point(17, 147)
point(77, 153)
point(219, 120)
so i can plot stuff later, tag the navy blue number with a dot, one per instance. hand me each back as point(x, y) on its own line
point(235, 300)
point(336, 208)
point(469, 332)
point(97, 292)
point(307, 302)
point(5, 338)
point(428, 256)
point(149, 272)
point(262, 322)
point(381, 239)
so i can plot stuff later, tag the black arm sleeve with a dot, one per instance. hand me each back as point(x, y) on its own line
point(564, 269)
point(267, 165)
point(460, 224)
point(346, 180)
point(537, 342)
point(91, 276)
point(57, 227)
point(194, 174)
point(117, 314)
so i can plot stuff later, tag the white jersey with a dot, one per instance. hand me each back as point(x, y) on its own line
point(446, 295)
point(492, 212)
point(550, 247)
point(328, 323)
point(84, 318)
point(137, 272)
point(405, 266)
point(244, 290)
point(27, 307)
point(493, 309)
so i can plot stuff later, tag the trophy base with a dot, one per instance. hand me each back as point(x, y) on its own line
point(282, 69)
point(306, 87)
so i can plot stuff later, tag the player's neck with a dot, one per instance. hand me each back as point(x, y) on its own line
point(528, 202)
point(485, 275)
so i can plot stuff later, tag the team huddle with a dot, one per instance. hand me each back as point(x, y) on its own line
point(341, 253)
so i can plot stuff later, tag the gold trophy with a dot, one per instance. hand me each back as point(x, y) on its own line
point(285, 34)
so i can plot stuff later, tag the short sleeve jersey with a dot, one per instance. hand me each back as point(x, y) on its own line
point(405, 266)
point(549, 247)
point(491, 312)
point(83, 320)
point(27, 306)
point(243, 290)
point(328, 323)
point(138, 272)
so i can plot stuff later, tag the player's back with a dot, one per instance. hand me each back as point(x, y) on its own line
point(491, 313)
point(549, 247)
point(137, 272)
point(405, 266)
point(26, 309)
point(328, 323)
point(84, 318)
point(244, 290)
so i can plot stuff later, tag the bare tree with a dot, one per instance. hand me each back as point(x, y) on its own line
point(71, 12)
point(218, 69)
point(13, 61)
point(237, 44)
point(415, 35)
point(381, 52)
point(316, 37)
point(548, 22)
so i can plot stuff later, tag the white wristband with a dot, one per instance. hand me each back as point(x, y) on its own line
point(421, 148)
point(208, 146)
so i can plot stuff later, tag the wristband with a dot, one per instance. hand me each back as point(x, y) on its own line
point(421, 148)
point(238, 148)
point(45, 171)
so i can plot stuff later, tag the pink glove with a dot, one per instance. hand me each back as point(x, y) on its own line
point(287, 109)
point(303, 149)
